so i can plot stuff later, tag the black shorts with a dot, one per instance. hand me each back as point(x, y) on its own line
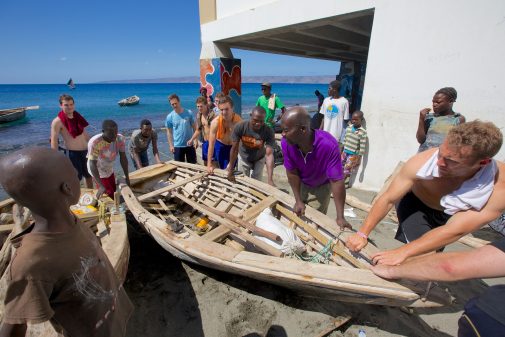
point(416, 218)
point(80, 162)
point(185, 154)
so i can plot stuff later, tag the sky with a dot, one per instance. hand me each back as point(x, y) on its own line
point(91, 41)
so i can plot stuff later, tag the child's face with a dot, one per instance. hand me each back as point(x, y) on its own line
point(356, 120)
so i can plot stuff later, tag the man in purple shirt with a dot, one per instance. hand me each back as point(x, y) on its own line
point(313, 165)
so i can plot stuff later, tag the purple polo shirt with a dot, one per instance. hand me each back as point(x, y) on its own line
point(320, 165)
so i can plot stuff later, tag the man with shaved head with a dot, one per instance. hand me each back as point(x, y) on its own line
point(313, 165)
point(59, 272)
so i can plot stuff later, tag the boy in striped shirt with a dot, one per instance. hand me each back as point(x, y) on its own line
point(354, 146)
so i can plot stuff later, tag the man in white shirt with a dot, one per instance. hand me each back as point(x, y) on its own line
point(335, 110)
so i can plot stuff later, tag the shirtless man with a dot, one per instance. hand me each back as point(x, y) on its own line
point(71, 125)
point(60, 273)
point(203, 119)
point(221, 128)
point(426, 225)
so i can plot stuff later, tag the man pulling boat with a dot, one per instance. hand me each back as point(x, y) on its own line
point(442, 193)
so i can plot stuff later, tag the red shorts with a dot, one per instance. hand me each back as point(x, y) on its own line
point(109, 184)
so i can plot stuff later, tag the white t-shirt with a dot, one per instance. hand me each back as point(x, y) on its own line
point(335, 110)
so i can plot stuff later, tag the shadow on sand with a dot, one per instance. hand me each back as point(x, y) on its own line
point(166, 303)
point(159, 287)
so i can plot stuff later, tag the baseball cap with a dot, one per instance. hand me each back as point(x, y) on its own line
point(266, 84)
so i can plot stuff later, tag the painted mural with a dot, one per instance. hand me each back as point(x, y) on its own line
point(227, 78)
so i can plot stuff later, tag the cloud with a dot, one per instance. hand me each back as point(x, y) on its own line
point(63, 58)
point(160, 51)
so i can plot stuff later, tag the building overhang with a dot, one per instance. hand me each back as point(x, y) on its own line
point(339, 38)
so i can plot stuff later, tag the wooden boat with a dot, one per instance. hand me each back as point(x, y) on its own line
point(132, 100)
point(165, 196)
point(111, 230)
point(11, 115)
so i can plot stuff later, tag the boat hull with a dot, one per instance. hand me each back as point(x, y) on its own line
point(129, 101)
point(12, 116)
point(344, 283)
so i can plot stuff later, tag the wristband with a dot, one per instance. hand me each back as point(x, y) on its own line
point(363, 235)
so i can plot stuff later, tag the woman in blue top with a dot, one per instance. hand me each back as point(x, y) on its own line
point(434, 126)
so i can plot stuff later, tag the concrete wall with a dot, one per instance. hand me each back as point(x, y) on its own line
point(254, 16)
point(418, 47)
point(231, 7)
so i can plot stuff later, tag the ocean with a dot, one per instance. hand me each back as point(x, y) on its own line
point(97, 102)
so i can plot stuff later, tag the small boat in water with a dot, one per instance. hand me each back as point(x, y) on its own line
point(71, 84)
point(249, 228)
point(11, 115)
point(132, 100)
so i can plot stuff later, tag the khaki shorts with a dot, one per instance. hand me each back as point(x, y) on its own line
point(316, 197)
point(252, 169)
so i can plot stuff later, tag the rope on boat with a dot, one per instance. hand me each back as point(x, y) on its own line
point(322, 256)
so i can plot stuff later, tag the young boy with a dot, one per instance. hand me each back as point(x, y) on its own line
point(335, 110)
point(103, 150)
point(354, 146)
point(59, 272)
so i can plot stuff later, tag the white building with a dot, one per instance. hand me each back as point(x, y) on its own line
point(410, 48)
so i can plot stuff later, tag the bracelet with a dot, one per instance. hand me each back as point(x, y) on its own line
point(363, 235)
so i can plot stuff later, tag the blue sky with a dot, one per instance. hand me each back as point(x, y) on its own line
point(50, 41)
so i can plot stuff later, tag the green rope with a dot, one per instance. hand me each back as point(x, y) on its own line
point(322, 256)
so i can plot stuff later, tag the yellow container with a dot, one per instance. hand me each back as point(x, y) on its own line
point(202, 224)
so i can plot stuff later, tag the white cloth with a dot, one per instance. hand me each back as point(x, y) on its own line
point(335, 111)
point(271, 102)
point(473, 193)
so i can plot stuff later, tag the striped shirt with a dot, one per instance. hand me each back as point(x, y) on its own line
point(355, 140)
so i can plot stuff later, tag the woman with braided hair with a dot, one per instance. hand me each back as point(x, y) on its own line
point(434, 124)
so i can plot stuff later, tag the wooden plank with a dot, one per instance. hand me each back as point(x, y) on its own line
point(249, 214)
point(472, 241)
point(150, 172)
point(243, 223)
point(171, 187)
point(319, 237)
point(309, 271)
point(266, 248)
point(217, 234)
point(255, 210)
point(337, 323)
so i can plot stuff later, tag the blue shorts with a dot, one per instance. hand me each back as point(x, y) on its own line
point(80, 162)
point(205, 151)
point(144, 159)
point(222, 154)
point(476, 322)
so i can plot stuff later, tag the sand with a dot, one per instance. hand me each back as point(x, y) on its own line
point(174, 298)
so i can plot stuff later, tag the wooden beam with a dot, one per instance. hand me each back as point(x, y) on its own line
point(319, 237)
point(266, 248)
point(173, 186)
point(249, 214)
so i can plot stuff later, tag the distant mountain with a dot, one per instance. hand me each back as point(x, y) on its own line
point(246, 79)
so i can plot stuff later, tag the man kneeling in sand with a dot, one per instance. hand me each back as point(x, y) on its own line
point(441, 194)
point(59, 272)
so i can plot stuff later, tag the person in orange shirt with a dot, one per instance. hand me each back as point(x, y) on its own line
point(220, 141)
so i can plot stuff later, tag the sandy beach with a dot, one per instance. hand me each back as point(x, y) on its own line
point(174, 298)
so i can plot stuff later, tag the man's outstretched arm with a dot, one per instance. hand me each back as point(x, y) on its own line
point(484, 262)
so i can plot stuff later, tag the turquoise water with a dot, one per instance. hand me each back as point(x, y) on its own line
point(97, 102)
